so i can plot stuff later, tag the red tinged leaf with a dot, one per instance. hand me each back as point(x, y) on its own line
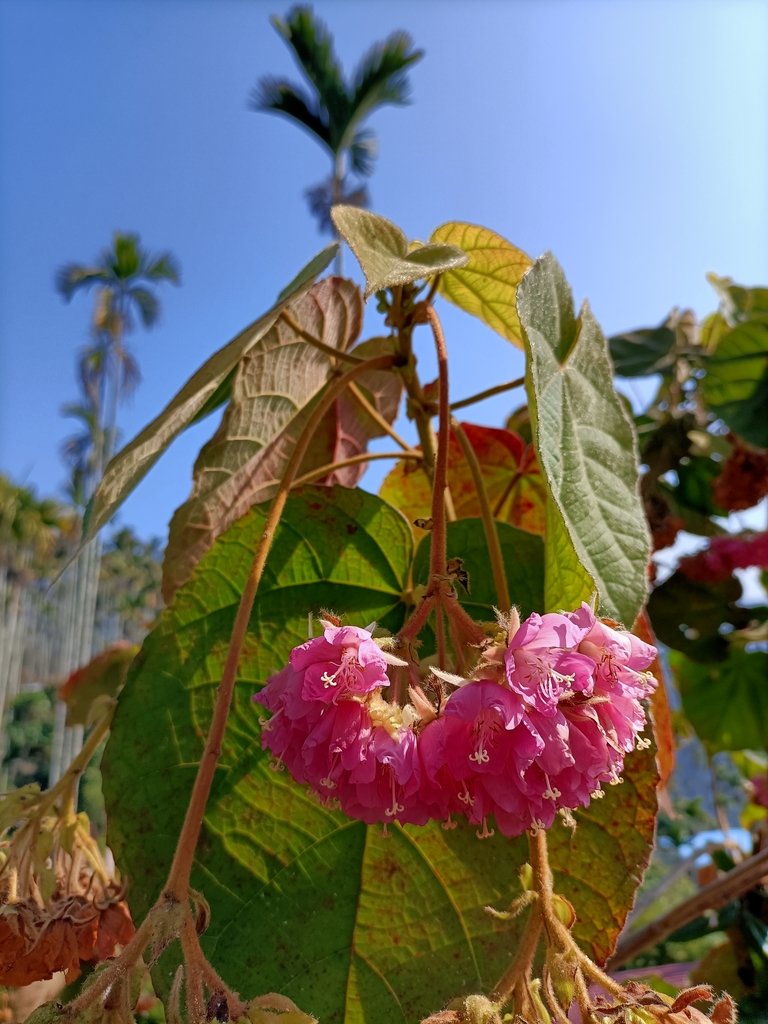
point(661, 713)
point(275, 388)
point(103, 675)
point(510, 472)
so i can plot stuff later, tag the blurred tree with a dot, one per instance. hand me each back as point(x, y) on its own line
point(29, 528)
point(125, 278)
point(332, 110)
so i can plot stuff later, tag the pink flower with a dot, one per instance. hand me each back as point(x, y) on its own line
point(621, 659)
point(319, 724)
point(384, 786)
point(544, 739)
point(342, 662)
point(541, 660)
point(724, 554)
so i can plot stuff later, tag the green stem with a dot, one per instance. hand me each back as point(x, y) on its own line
point(486, 514)
point(177, 884)
point(67, 784)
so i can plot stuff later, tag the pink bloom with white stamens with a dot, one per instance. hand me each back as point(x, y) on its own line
point(343, 662)
point(542, 663)
point(544, 738)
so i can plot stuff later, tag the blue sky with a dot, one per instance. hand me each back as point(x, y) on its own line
point(630, 138)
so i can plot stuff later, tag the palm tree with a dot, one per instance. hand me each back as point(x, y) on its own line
point(333, 110)
point(124, 278)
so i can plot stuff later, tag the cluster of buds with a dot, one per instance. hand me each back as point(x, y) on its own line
point(543, 723)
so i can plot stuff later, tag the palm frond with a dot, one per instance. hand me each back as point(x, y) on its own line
point(312, 45)
point(363, 153)
point(164, 267)
point(73, 277)
point(130, 374)
point(279, 96)
point(381, 77)
point(147, 304)
point(320, 199)
point(125, 255)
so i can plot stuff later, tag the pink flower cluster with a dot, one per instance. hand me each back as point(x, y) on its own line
point(543, 735)
point(724, 554)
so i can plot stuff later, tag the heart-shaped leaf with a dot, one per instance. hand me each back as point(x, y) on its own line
point(273, 393)
point(736, 381)
point(487, 286)
point(511, 474)
point(383, 252)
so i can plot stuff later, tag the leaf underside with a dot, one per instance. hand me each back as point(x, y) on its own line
point(384, 254)
point(134, 461)
point(587, 450)
point(275, 388)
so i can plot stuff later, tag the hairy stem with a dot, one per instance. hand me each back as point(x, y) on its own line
point(194, 978)
point(115, 970)
point(442, 651)
point(486, 514)
point(321, 346)
point(438, 557)
point(557, 933)
point(498, 389)
point(505, 986)
point(353, 460)
point(178, 877)
point(379, 420)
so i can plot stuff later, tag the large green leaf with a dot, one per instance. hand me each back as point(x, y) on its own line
point(487, 286)
point(383, 251)
point(640, 352)
point(736, 381)
point(689, 615)
point(134, 461)
point(587, 449)
point(273, 393)
point(355, 927)
point(727, 702)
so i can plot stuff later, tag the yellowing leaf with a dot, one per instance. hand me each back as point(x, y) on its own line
point(487, 286)
point(383, 251)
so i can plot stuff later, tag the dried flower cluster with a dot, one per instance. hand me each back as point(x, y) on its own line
point(544, 723)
